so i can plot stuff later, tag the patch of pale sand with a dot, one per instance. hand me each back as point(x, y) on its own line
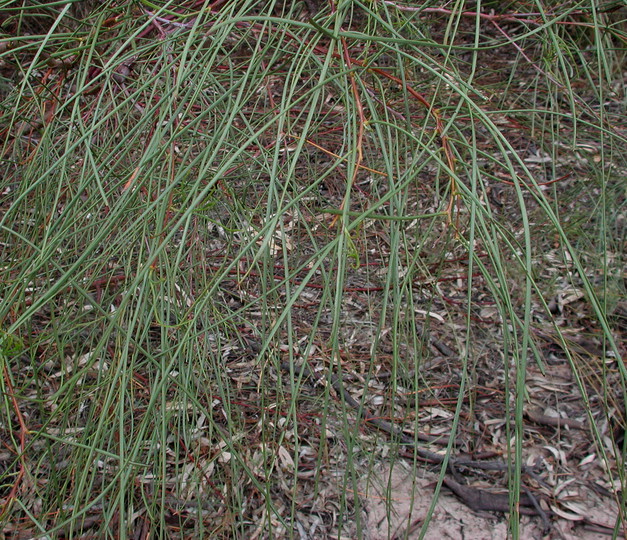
point(411, 496)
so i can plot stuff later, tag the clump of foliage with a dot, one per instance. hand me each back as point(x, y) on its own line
point(205, 204)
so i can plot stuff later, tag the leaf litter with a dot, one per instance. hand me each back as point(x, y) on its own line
point(314, 440)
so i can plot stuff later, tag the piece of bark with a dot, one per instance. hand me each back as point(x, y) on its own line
point(536, 416)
